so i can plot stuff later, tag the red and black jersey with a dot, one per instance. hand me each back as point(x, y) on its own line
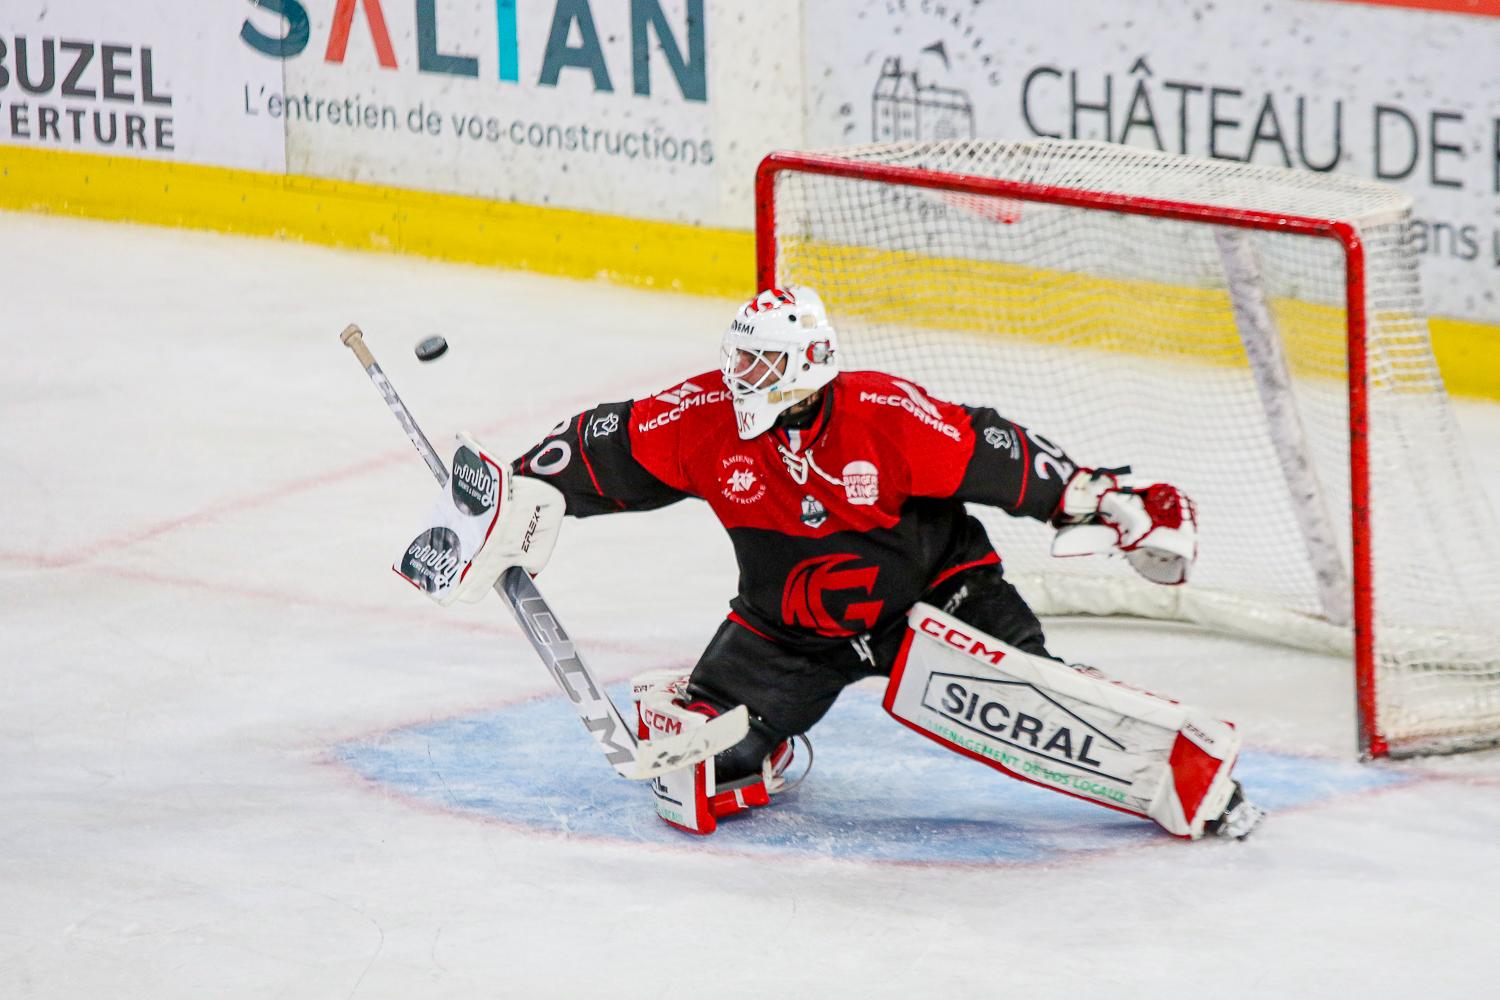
point(838, 528)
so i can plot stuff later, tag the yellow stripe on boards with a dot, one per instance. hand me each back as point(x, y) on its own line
point(1469, 356)
point(895, 289)
point(888, 290)
point(691, 259)
point(573, 244)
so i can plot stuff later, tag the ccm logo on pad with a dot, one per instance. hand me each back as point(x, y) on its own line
point(961, 641)
point(664, 724)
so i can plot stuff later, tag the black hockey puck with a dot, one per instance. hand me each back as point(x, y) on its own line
point(432, 348)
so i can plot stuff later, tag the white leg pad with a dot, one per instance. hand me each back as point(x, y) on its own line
point(682, 796)
point(1067, 729)
point(689, 798)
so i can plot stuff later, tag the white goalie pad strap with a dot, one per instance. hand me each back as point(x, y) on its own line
point(1067, 729)
point(485, 521)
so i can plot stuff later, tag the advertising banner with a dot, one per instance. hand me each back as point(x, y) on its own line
point(1406, 96)
point(651, 109)
point(629, 108)
point(156, 79)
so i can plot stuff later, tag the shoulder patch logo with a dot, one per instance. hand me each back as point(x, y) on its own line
point(603, 426)
point(1001, 439)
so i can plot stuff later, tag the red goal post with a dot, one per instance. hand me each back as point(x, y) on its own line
point(1074, 285)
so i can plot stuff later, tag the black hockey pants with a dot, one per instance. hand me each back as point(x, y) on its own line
point(787, 690)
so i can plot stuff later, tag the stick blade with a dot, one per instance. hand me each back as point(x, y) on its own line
point(655, 757)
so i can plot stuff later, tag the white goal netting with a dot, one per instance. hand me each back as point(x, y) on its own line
point(1162, 329)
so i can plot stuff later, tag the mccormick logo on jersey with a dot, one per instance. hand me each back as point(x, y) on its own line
point(861, 483)
point(677, 395)
point(918, 398)
point(913, 401)
point(681, 398)
point(739, 480)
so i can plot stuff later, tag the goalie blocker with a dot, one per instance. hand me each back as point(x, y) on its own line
point(485, 520)
point(1065, 728)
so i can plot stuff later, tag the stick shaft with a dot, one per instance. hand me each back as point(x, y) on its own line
point(551, 641)
point(354, 339)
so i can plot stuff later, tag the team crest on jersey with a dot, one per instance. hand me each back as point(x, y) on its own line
point(861, 483)
point(813, 513)
point(831, 595)
point(740, 481)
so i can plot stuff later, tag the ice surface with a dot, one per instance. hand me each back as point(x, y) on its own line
point(240, 758)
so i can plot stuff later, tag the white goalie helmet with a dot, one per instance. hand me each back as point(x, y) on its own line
point(779, 350)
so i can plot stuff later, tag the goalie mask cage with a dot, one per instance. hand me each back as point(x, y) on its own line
point(1254, 335)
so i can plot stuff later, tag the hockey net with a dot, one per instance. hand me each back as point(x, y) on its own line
point(1254, 335)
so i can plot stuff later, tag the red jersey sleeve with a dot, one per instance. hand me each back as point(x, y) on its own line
point(664, 426)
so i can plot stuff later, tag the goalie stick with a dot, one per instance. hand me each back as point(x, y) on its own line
point(630, 758)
